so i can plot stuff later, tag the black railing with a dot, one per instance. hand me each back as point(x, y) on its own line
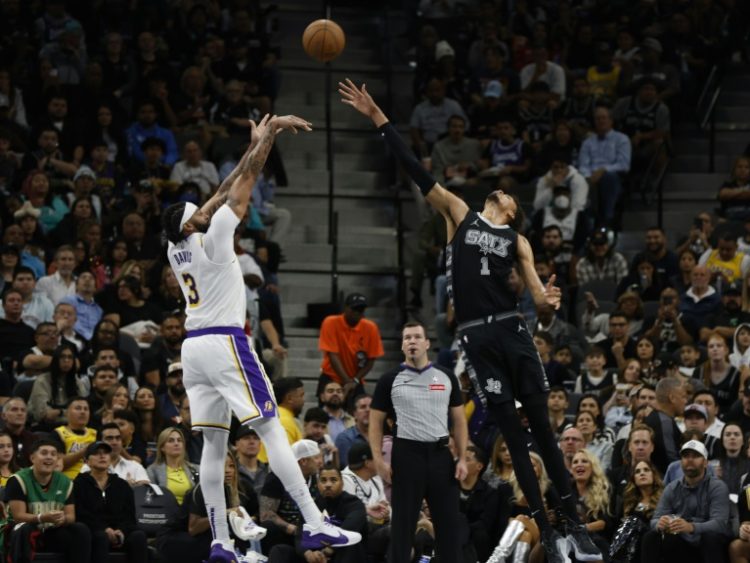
point(395, 199)
point(706, 111)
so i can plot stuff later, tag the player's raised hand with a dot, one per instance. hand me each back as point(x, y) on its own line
point(291, 123)
point(358, 98)
point(552, 293)
point(257, 129)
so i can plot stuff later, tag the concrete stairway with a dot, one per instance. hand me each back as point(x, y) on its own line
point(689, 186)
point(367, 253)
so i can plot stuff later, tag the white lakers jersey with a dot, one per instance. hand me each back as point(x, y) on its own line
point(214, 293)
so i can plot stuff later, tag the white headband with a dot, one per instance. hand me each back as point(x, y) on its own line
point(190, 209)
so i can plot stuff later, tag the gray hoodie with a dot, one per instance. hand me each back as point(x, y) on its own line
point(706, 505)
point(738, 358)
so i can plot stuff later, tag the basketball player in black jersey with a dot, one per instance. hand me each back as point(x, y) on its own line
point(482, 250)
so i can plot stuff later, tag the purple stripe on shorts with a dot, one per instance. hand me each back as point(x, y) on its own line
point(264, 401)
point(224, 330)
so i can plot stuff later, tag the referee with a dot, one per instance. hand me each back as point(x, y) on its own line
point(421, 398)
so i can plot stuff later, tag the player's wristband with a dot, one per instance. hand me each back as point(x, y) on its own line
point(421, 177)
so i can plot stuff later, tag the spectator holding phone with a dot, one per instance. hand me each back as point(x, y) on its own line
point(666, 331)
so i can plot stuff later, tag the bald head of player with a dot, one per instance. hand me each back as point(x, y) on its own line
point(415, 345)
point(503, 209)
point(182, 219)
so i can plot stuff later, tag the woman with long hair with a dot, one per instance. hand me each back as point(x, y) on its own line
point(132, 307)
point(731, 461)
point(115, 257)
point(591, 402)
point(521, 536)
point(150, 421)
point(107, 298)
point(186, 538)
point(116, 398)
point(8, 465)
point(597, 444)
point(642, 494)
point(592, 489)
point(66, 231)
point(631, 373)
point(52, 391)
point(501, 467)
point(681, 281)
point(718, 374)
point(171, 469)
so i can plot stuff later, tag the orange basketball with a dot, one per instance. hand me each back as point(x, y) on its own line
point(323, 40)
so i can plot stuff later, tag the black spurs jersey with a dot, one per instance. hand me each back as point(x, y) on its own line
point(479, 261)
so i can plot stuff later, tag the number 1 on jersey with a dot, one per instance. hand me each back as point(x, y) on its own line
point(193, 297)
point(485, 271)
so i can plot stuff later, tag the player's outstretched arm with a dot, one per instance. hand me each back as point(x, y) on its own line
point(250, 167)
point(257, 132)
point(543, 294)
point(451, 207)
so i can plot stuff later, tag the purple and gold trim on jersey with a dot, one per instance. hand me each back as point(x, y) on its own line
point(254, 377)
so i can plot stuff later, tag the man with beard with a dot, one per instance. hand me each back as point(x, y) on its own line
point(341, 506)
point(289, 393)
point(332, 400)
point(729, 315)
point(692, 514)
point(666, 263)
point(164, 351)
point(169, 402)
point(145, 127)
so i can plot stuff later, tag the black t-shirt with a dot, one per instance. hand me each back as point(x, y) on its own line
point(479, 262)
point(288, 509)
point(14, 337)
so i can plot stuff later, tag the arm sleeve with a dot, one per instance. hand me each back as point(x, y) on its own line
point(219, 239)
point(407, 159)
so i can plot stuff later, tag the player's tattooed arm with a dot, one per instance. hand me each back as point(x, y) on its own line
point(268, 508)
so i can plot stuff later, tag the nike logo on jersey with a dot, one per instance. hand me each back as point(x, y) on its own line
point(487, 242)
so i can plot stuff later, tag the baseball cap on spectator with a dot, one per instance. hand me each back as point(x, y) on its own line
point(356, 301)
point(305, 448)
point(97, 447)
point(27, 210)
point(694, 446)
point(443, 49)
point(494, 89)
point(652, 43)
point(84, 171)
point(733, 288)
point(696, 409)
point(174, 367)
point(245, 430)
point(359, 453)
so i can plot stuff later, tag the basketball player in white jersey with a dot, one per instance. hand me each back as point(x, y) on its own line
point(221, 371)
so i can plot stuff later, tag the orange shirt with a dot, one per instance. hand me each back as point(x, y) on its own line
point(354, 345)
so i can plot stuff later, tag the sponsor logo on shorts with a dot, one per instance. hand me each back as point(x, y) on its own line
point(494, 386)
point(268, 406)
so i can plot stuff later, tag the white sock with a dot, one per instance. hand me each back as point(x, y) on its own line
point(285, 467)
point(212, 481)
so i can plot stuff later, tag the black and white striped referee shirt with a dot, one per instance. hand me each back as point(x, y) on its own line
point(419, 400)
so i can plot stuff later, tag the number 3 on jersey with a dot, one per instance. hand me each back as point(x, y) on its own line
point(193, 297)
point(485, 271)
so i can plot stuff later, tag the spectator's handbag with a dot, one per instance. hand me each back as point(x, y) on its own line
point(626, 543)
point(154, 505)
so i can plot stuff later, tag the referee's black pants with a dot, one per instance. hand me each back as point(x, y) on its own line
point(423, 470)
